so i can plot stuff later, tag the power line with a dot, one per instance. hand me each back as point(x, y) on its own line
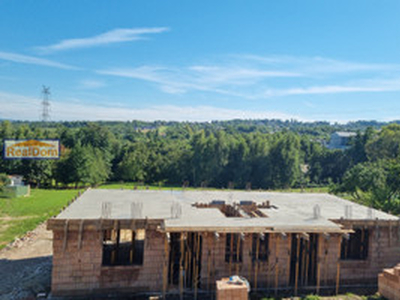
point(45, 116)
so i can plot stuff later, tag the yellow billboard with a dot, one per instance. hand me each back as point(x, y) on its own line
point(31, 149)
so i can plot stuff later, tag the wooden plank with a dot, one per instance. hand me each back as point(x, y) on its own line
point(256, 262)
point(80, 234)
point(296, 279)
point(181, 266)
point(338, 268)
point(276, 263)
point(165, 266)
point(318, 264)
point(65, 241)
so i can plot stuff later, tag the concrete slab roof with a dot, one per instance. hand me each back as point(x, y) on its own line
point(291, 212)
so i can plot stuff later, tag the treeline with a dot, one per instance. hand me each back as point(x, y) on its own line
point(183, 153)
point(213, 155)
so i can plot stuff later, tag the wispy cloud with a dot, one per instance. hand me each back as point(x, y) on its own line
point(118, 35)
point(91, 84)
point(20, 107)
point(311, 66)
point(259, 77)
point(209, 78)
point(364, 86)
point(24, 59)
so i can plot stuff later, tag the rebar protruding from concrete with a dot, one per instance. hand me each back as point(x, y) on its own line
point(317, 211)
point(370, 213)
point(137, 210)
point(176, 210)
point(106, 210)
point(348, 211)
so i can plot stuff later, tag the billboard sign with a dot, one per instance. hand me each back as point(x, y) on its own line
point(31, 149)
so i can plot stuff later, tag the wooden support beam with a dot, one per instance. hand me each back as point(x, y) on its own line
point(238, 254)
point(326, 251)
point(182, 250)
point(296, 279)
point(318, 264)
point(305, 236)
point(230, 253)
point(80, 234)
point(132, 252)
point(256, 262)
point(209, 246)
point(197, 266)
point(289, 249)
point(165, 266)
point(307, 262)
point(65, 235)
point(338, 267)
point(276, 263)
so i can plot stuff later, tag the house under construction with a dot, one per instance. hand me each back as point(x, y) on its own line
point(180, 242)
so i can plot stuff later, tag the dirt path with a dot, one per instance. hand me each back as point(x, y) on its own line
point(25, 265)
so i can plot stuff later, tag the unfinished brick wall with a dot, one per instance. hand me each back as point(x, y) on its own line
point(214, 266)
point(384, 252)
point(80, 271)
point(328, 256)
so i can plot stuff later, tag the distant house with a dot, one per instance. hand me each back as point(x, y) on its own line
point(340, 140)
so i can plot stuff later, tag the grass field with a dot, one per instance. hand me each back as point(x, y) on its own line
point(132, 185)
point(19, 215)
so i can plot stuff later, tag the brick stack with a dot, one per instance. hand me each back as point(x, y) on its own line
point(389, 283)
point(227, 291)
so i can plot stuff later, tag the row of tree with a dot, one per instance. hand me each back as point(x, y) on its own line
point(184, 153)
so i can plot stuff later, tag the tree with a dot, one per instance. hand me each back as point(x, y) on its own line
point(285, 161)
point(4, 181)
point(132, 167)
point(386, 145)
point(374, 183)
point(84, 165)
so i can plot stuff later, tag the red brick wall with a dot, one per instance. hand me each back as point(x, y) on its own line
point(80, 271)
point(384, 252)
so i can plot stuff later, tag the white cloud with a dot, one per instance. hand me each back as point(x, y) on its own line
point(218, 79)
point(377, 85)
point(258, 77)
point(118, 35)
point(24, 59)
point(91, 84)
point(26, 108)
point(311, 66)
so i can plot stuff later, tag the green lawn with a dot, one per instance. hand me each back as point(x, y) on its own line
point(131, 185)
point(19, 215)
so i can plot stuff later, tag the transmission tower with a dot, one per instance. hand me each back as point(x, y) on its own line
point(45, 116)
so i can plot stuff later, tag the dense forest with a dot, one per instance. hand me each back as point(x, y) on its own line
point(263, 154)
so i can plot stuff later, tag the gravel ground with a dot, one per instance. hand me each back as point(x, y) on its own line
point(25, 266)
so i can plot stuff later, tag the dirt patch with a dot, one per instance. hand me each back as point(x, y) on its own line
point(8, 218)
point(25, 265)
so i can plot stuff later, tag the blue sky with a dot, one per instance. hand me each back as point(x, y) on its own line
point(201, 60)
